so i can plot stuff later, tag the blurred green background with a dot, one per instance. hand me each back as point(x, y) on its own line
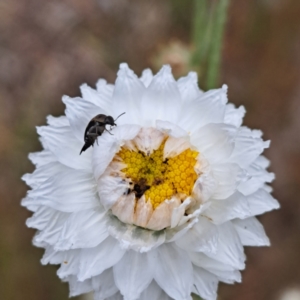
point(48, 48)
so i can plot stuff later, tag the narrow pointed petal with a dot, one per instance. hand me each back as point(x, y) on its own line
point(104, 89)
point(127, 96)
point(95, 260)
point(251, 232)
point(226, 185)
point(261, 202)
point(173, 271)
point(207, 108)
point(50, 233)
point(215, 141)
point(41, 217)
point(77, 287)
point(42, 158)
point(223, 272)
point(230, 250)
point(42, 173)
point(202, 237)
point(146, 77)
point(248, 146)
point(67, 191)
point(206, 284)
point(188, 87)
point(65, 147)
point(100, 98)
point(70, 263)
point(61, 121)
point(84, 229)
point(104, 285)
point(235, 206)
point(234, 116)
point(154, 292)
point(162, 99)
point(134, 280)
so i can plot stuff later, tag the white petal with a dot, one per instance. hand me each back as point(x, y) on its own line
point(124, 208)
point(77, 288)
point(163, 214)
point(206, 184)
point(227, 177)
point(230, 250)
point(127, 95)
point(146, 77)
point(214, 141)
point(234, 116)
point(173, 271)
point(223, 272)
point(213, 266)
point(248, 146)
point(84, 229)
point(208, 108)
point(143, 212)
point(162, 99)
point(51, 231)
point(42, 158)
point(175, 146)
point(41, 217)
point(51, 256)
point(65, 147)
point(154, 292)
point(108, 145)
point(110, 189)
point(133, 237)
point(261, 201)
point(95, 260)
point(251, 232)
point(67, 191)
point(133, 274)
point(206, 284)
point(171, 129)
point(258, 176)
point(188, 87)
point(61, 121)
point(80, 113)
point(235, 206)
point(149, 139)
point(179, 210)
point(176, 233)
point(104, 285)
point(104, 89)
point(42, 173)
point(202, 237)
point(100, 97)
point(70, 263)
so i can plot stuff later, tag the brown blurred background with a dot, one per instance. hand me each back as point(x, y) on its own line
point(48, 48)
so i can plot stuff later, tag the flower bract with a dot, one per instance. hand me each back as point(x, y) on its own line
point(160, 205)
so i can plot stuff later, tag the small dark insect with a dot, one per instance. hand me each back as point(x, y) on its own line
point(96, 127)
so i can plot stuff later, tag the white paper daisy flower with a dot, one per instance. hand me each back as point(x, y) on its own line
point(162, 204)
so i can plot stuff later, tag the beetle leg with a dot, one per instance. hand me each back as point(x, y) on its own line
point(108, 131)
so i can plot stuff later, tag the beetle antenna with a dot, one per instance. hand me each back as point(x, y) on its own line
point(119, 116)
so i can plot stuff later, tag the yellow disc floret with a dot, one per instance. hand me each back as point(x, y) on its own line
point(158, 178)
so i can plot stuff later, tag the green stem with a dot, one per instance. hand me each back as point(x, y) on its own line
point(199, 28)
point(214, 58)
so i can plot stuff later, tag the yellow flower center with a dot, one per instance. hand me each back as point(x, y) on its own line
point(158, 178)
